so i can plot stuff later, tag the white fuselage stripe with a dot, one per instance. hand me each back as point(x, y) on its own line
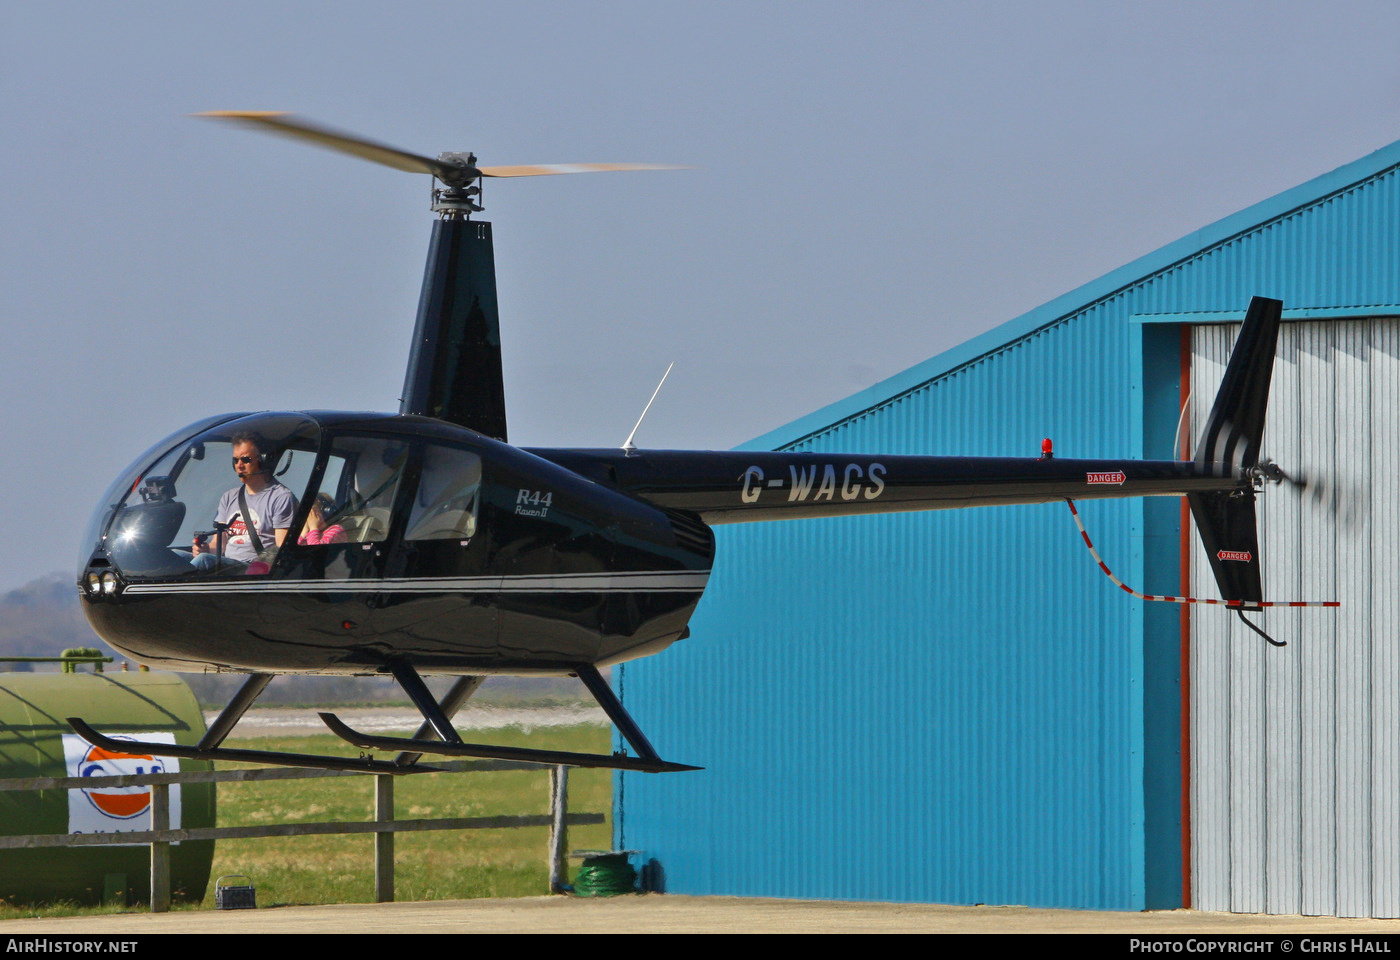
point(683, 581)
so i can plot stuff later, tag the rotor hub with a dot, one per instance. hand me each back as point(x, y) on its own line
point(454, 199)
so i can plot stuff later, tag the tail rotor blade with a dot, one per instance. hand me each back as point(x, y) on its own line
point(1346, 502)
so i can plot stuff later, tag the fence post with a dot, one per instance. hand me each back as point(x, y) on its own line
point(558, 829)
point(384, 840)
point(160, 849)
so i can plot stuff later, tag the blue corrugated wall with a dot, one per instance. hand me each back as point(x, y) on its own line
point(956, 707)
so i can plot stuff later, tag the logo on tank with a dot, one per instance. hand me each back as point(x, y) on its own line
point(107, 809)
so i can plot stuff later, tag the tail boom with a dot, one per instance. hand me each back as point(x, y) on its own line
point(743, 487)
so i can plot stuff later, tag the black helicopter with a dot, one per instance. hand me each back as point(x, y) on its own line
point(456, 553)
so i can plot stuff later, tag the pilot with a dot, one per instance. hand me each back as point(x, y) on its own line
point(253, 517)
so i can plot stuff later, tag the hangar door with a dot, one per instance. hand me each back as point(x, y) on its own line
point(1295, 751)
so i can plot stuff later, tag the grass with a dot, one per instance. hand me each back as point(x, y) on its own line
point(435, 865)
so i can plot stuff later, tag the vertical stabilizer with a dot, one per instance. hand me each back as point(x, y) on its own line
point(1230, 445)
point(1235, 428)
point(1226, 524)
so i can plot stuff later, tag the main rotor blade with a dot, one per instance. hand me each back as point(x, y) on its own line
point(289, 126)
point(553, 169)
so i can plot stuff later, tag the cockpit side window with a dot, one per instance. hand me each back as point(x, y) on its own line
point(354, 502)
point(449, 489)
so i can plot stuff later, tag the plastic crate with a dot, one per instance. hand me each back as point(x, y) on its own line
point(234, 897)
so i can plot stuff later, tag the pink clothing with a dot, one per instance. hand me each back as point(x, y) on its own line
point(335, 533)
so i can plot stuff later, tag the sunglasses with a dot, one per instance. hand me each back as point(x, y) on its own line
point(238, 460)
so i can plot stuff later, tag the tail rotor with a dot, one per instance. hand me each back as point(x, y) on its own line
point(1344, 501)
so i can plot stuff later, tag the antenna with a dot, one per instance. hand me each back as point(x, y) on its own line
point(628, 447)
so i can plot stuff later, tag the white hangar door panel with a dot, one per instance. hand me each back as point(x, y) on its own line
point(1295, 751)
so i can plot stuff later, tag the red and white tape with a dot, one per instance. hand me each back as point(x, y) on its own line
point(1224, 603)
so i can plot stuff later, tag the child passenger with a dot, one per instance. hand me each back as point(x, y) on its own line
point(316, 530)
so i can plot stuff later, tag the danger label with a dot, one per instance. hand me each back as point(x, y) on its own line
point(1243, 556)
point(1116, 477)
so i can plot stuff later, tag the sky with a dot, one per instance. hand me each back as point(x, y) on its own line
point(872, 183)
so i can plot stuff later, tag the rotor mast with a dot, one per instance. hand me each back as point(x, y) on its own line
point(455, 372)
point(454, 365)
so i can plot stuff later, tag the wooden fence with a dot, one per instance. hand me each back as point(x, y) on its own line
point(383, 826)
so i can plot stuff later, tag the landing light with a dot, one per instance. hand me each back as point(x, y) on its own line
point(109, 583)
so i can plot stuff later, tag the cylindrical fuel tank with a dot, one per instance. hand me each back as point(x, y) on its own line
point(36, 742)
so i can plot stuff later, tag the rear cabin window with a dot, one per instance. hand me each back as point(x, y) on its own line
point(449, 489)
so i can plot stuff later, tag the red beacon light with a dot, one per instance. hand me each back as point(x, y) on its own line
point(1047, 449)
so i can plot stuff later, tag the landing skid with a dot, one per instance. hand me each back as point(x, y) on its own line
point(523, 754)
point(437, 723)
point(209, 747)
point(448, 743)
point(361, 764)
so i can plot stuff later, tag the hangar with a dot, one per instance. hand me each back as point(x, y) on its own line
point(957, 707)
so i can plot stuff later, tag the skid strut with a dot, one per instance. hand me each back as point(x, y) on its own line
point(437, 724)
point(461, 691)
point(450, 744)
point(209, 747)
point(362, 764)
